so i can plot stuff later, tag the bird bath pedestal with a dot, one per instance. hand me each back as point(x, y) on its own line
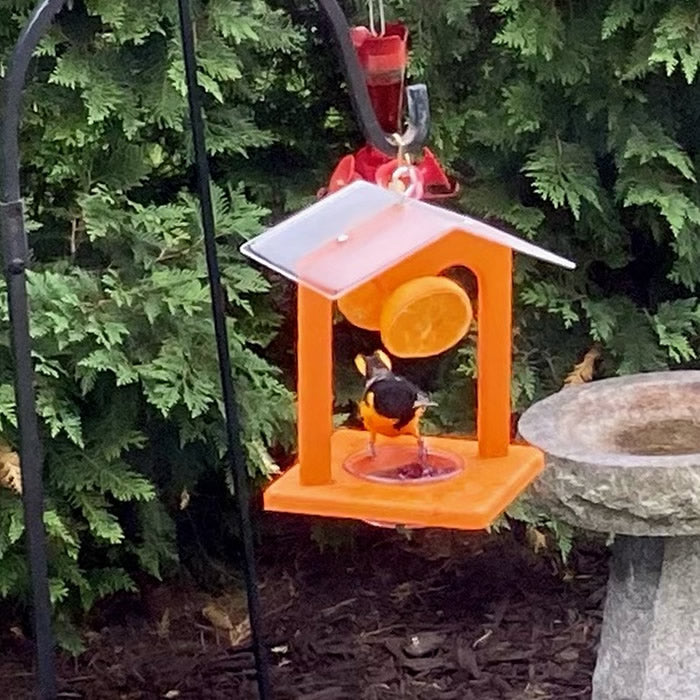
point(623, 457)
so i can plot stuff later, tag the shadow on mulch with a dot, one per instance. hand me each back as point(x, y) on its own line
point(440, 616)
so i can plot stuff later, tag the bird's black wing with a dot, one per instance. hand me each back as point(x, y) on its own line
point(394, 397)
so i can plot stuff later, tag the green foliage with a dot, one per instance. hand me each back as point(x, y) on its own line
point(332, 536)
point(127, 376)
point(592, 152)
point(561, 534)
point(574, 125)
point(563, 174)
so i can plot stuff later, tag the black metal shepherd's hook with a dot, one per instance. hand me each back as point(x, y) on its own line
point(15, 255)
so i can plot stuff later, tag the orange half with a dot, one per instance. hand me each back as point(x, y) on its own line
point(363, 306)
point(425, 317)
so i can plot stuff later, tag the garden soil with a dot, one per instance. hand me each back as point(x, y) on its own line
point(433, 614)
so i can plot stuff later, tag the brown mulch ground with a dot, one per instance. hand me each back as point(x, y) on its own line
point(439, 616)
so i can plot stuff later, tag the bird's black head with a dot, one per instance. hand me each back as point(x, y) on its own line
point(374, 365)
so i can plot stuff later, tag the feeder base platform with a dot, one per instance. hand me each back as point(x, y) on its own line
point(472, 500)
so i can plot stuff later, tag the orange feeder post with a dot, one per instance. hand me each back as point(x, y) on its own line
point(362, 233)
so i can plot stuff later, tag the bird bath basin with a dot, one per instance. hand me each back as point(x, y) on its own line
point(623, 457)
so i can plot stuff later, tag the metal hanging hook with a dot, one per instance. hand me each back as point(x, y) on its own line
point(382, 18)
point(417, 102)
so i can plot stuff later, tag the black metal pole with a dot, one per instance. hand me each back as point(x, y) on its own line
point(15, 256)
point(236, 457)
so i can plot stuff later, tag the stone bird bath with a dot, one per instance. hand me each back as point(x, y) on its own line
point(623, 457)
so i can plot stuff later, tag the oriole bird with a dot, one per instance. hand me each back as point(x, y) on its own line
point(391, 405)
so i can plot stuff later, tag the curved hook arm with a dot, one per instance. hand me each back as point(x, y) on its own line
point(15, 254)
point(417, 101)
point(39, 22)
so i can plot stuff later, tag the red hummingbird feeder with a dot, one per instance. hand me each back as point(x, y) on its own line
point(384, 58)
point(381, 50)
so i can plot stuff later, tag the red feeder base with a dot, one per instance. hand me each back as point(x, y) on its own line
point(373, 166)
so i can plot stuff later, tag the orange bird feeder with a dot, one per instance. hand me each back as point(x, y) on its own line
point(363, 233)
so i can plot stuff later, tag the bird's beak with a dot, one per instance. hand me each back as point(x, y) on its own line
point(383, 358)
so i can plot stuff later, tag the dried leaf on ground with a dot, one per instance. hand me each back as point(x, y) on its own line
point(424, 643)
point(537, 539)
point(584, 370)
point(219, 618)
point(240, 633)
point(163, 629)
point(10, 471)
point(482, 639)
point(18, 633)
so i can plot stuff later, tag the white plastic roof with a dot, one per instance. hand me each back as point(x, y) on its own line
point(351, 236)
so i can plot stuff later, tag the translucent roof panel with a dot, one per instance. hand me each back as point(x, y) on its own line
point(354, 234)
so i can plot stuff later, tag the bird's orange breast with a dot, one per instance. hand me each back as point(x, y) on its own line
point(376, 423)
